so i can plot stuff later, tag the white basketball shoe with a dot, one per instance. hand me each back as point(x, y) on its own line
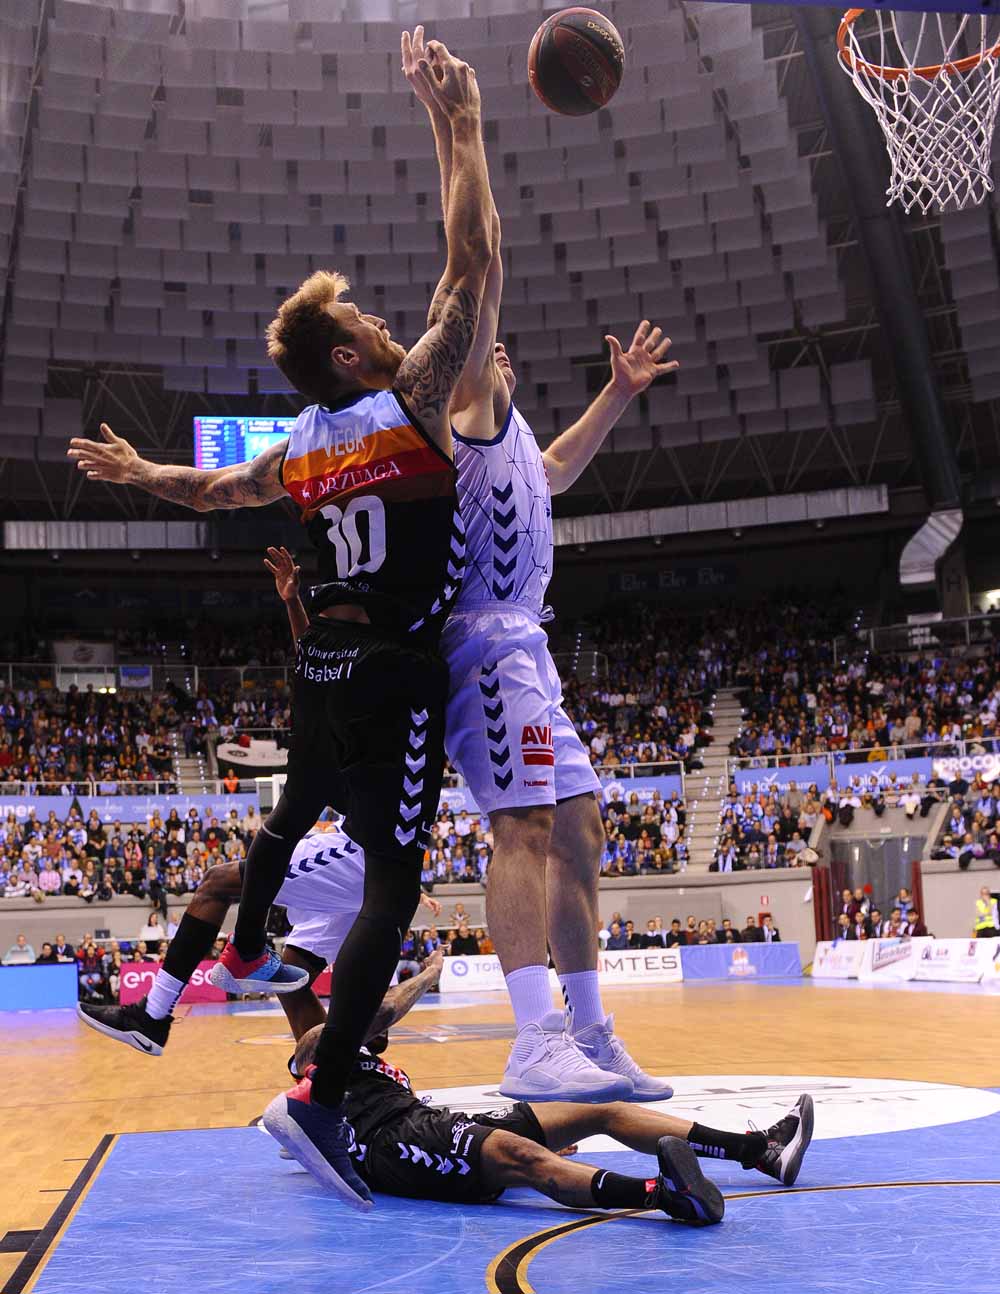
point(546, 1064)
point(603, 1048)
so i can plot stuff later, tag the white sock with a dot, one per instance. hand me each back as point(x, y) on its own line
point(530, 994)
point(163, 995)
point(583, 999)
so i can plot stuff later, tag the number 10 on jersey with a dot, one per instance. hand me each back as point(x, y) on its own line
point(357, 547)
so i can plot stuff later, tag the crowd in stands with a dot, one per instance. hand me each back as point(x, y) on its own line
point(870, 708)
point(98, 962)
point(972, 823)
point(643, 838)
point(859, 917)
point(619, 934)
point(94, 860)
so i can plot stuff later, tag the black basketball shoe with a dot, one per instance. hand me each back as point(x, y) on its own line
point(682, 1189)
point(128, 1024)
point(787, 1142)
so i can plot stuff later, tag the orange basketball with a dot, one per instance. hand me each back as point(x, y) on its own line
point(576, 61)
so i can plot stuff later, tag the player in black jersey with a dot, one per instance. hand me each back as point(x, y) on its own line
point(370, 464)
point(403, 1147)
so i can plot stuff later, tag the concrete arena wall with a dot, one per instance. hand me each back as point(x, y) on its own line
point(950, 896)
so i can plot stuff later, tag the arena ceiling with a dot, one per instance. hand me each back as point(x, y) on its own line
point(169, 169)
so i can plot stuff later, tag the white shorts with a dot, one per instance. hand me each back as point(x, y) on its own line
point(505, 728)
point(322, 892)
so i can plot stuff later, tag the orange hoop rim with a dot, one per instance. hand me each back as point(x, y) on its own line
point(929, 72)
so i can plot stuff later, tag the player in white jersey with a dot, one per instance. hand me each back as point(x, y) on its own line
point(322, 891)
point(506, 729)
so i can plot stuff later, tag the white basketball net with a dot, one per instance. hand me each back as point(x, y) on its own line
point(934, 82)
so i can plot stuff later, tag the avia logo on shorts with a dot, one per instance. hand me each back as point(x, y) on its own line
point(536, 745)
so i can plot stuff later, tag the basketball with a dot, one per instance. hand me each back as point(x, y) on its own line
point(576, 61)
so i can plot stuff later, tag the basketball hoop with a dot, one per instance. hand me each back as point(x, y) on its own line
point(933, 80)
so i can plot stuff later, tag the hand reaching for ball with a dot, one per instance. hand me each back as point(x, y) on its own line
point(439, 80)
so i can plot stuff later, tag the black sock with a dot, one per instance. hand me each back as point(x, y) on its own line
point(362, 972)
point(613, 1191)
point(711, 1143)
point(190, 945)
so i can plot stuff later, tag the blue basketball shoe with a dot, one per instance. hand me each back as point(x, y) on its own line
point(265, 974)
point(319, 1138)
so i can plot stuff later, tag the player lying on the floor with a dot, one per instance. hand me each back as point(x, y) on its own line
point(322, 892)
point(402, 1147)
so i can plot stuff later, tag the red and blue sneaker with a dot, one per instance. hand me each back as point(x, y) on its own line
point(265, 974)
point(320, 1139)
point(682, 1190)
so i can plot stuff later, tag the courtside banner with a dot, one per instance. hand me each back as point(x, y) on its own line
point(630, 966)
point(137, 979)
point(741, 961)
point(840, 959)
point(891, 959)
point(954, 961)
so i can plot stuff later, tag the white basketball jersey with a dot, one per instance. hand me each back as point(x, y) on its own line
point(506, 506)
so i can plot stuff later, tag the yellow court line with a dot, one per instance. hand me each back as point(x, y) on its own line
point(542, 1239)
point(54, 1242)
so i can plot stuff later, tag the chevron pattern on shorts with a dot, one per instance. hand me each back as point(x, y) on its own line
point(495, 726)
point(415, 759)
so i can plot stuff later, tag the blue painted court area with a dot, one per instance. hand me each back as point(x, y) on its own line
point(216, 1210)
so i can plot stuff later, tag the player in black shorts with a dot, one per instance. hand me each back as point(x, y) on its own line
point(370, 465)
point(403, 1147)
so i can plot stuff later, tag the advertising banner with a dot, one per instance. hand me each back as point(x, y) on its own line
point(954, 961)
point(968, 766)
point(621, 788)
point(891, 959)
point(777, 779)
point(77, 651)
point(128, 808)
point(840, 959)
point(630, 966)
point(903, 768)
point(137, 979)
point(38, 988)
point(741, 961)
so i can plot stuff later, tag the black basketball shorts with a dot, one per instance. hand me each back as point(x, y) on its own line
point(368, 734)
point(430, 1154)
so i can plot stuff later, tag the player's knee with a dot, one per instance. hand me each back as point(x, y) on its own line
point(523, 831)
point(581, 843)
point(221, 882)
point(516, 1157)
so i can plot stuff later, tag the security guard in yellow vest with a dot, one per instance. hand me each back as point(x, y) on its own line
point(986, 914)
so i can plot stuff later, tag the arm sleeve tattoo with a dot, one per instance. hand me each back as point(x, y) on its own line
point(247, 485)
point(430, 372)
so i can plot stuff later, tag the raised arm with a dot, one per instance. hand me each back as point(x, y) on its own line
point(396, 1003)
point(244, 485)
point(480, 379)
point(631, 373)
point(428, 375)
point(281, 564)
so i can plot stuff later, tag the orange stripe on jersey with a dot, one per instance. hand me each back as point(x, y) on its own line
point(326, 462)
point(419, 472)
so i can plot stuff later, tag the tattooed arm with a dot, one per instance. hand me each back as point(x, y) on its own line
point(430, 372)
point(245, 485)
point(481, 394)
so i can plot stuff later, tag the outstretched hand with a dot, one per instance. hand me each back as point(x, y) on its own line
point(634, 369)
point(281, 564)
point(109, 460)
point(414, 52)
point(441, 81)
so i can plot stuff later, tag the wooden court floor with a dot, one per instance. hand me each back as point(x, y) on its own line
point(64, 1087)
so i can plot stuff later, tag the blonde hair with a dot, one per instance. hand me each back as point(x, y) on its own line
point(303, 333)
